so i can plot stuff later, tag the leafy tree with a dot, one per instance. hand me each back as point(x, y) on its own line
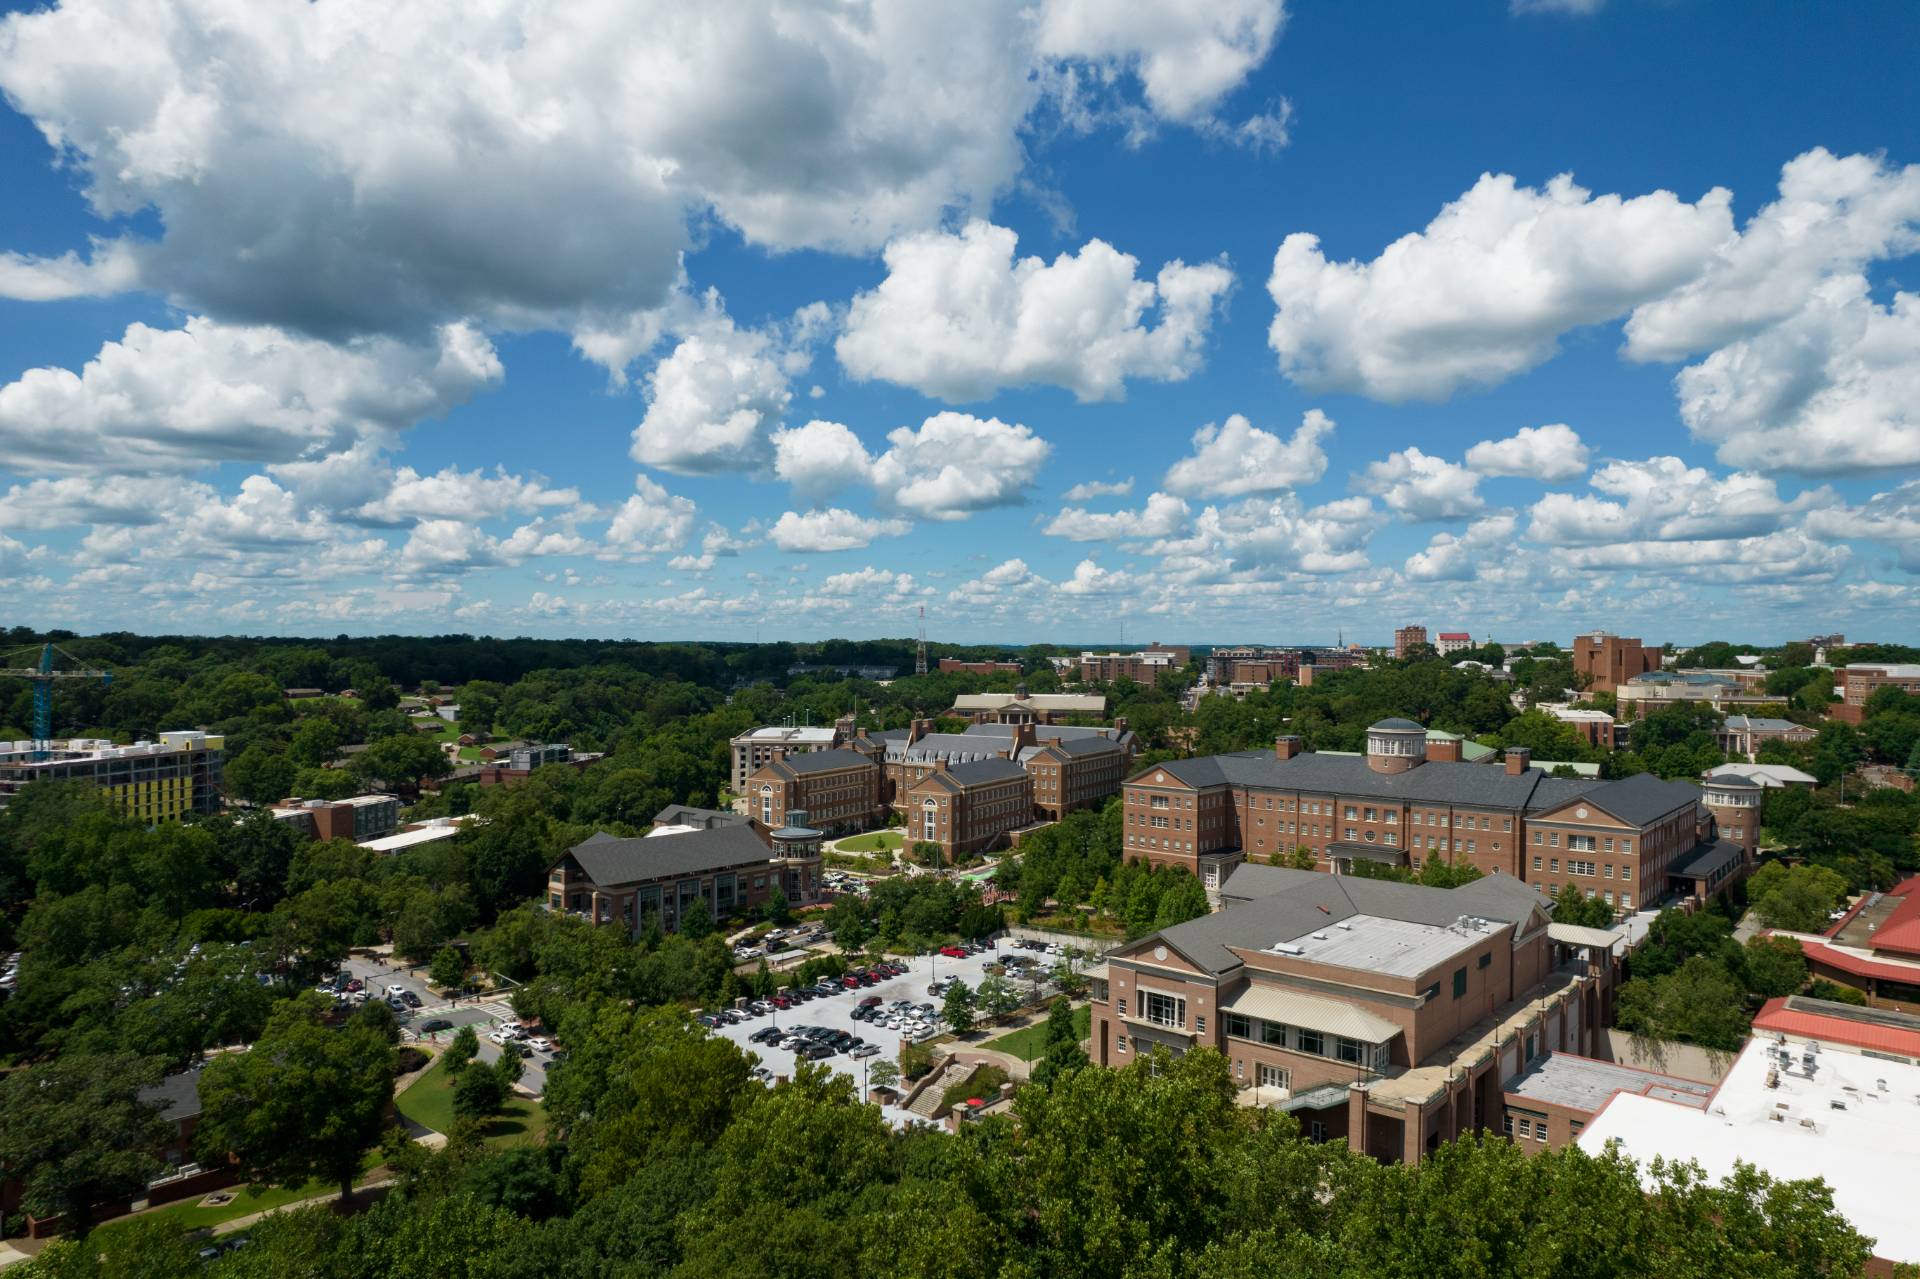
point(464, 1048)
point(777, 909)
point(315, 742)
point(259, 775)
point(75, 1132)
point(480, 1092)
point(1063, 1054)
point(1820, 988)
point(401, 762)
point(1699, 1003)
point(1585, 909)
point(882, 1073)
point(302, 1103)
point(1796, 898)
point(696, 921)
point(449, 970)
point(997, 997)
point(1774, 966)
point(956, 1008)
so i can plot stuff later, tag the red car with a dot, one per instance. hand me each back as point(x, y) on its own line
point(849, 981)
point(871, 1001)
point(781, 1001)
point(953, 952)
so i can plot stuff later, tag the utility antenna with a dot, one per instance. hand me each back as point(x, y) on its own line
point(920, 654)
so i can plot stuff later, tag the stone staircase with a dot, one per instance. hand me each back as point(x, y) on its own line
point(925, 1103)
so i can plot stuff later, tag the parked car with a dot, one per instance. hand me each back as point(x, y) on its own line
point(540, 1044)
point(869, 1001)
point(410, 999)
point(781, 1001)
point(355, 984)
point(953, 952)
point(815, 1052)
point(708, 1020)
point(396, 990)
point(865, 1050)
point(761, 1007)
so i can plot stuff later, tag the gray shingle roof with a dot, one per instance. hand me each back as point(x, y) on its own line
point(1642, 798)
point(949, 746)
point(177, 1095)
point(1433, 782)
point(1398, 726)
point(985, 770)
point(609, 859)
point(1706, 859)
point(688, 815)
point(1317, 899)
point(825, 761)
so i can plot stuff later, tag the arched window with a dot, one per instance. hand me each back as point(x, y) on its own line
point(766, 805)
point(929, 820)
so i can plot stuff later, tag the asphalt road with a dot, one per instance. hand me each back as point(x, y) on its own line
point(483, 1015)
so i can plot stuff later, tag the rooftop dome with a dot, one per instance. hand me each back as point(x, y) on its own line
point(1396, 726)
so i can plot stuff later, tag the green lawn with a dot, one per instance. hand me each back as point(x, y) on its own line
point(429, 1103)
point(1029, 1042)
point(871, 842)
point(247, 1200)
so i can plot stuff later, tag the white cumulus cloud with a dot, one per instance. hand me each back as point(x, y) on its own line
point(1456, 557)
point(1164, 515)
point(834, 529)
point(955, 465)
point(1533, 452)
point(958, 317)
point(1419, 487)
point(181, 399)
point(820, 458)
point(1235, 458)
point(650, 522)
point(1486, 289)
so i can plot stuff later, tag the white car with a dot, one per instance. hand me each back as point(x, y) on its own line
point(498, 1037)
point(396, 990)
point(540, 1044)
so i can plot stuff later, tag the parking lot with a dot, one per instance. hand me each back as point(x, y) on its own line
point(483, 1015)
point(836, 1012)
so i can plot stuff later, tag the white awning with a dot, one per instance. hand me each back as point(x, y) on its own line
point(1329, 1016)
point(1578, 935)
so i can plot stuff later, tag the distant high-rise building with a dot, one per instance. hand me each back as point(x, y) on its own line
point(1407, 638)
point(1611, 660)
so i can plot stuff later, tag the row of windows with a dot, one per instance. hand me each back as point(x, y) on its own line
point(1299, 1039)
point(1584, 868)
point(1579, 843)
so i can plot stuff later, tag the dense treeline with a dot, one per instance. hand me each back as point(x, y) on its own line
point(668, 1160)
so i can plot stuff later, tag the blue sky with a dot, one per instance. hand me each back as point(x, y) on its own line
point(787, 320)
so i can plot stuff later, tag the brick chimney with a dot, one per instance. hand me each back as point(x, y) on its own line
point(918, 729)
point(1286, 746)
point(777, 754)
point(1443, 750)
point(1119, 725)
point(1023, 737)
point(1519, 759)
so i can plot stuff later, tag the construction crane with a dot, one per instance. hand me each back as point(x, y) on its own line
point(42, 674)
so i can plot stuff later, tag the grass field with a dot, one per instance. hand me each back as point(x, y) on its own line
point(871, 842)
point(1029, 1042)
point(189, 1215)
point(429, 1103)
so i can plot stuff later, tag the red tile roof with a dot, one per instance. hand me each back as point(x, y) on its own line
point(1849, 962)
point(1777, 1018)
point(1901, 931)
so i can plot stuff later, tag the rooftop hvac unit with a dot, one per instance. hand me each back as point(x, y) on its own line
point(1319, 936)
point(1344, 926)
point(1286, 948)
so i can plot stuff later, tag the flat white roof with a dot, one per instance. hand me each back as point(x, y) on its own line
point(439, 828)
point(1392, 947)
point(1765, 774)
point(1580, 716)
point(1837, 1123)
point(806, 735)
point(1891, 671)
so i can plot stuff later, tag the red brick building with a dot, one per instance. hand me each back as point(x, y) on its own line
point(631, 883)
point(1386, 1014)
point(1628, 841)
point(969, 808)
point(1611, 660)
point(838, 789)
point(1408, 638)
point(954, 665)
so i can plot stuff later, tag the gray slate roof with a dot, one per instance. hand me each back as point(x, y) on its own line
point(1707, 859)
point(948, 746)
point(825, 761)
point(1642, 798)
point(609, 859)
point(985, 770)
point(1317, 900)
point(177, 1095)
point(1398, 726)
point(1432, 782)
point(688, 815)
